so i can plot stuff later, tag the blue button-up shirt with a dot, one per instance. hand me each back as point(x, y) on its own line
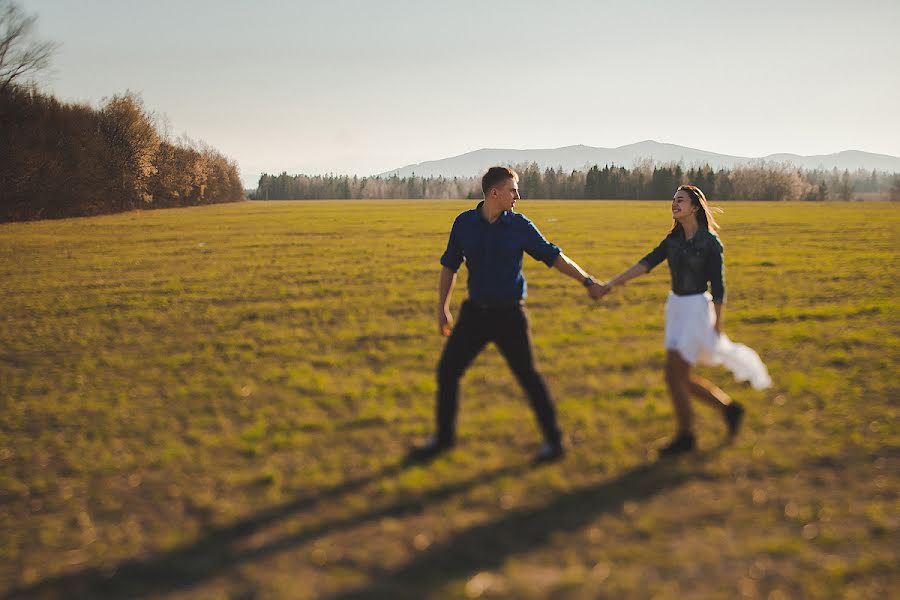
point(493, 253)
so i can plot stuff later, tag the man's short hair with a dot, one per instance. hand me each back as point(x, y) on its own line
point(495, 176)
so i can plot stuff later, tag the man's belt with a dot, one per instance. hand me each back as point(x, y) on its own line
point(496, 304)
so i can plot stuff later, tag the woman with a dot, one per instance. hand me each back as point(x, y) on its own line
point(694, 317)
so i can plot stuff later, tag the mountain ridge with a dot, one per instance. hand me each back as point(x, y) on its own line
point(581, 156)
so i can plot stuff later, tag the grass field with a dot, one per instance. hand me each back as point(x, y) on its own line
point(214, 402)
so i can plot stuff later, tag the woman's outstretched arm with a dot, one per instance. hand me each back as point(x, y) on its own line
point(639, 268)
point(635, 270)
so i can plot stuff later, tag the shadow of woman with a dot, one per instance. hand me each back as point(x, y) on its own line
point(487, 546)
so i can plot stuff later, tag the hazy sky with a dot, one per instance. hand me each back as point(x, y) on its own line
point(366, 86)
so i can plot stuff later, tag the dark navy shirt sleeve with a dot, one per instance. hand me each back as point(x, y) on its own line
point(537, 246)
point(453, 255)
point(715, 270)
point(656, 256)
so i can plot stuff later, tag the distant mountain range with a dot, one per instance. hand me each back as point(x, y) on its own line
point(578, 157)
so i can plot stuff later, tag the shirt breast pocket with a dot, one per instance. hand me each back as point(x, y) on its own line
point(696, 258)
point(472, 247)
point(509, 249)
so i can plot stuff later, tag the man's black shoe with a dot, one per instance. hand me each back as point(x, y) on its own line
point(428, 451)
point(734, 414)
point(684, 442)
point(549, 453)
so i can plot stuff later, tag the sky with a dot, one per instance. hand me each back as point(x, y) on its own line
point(362, 87)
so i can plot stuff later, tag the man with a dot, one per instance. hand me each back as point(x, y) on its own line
point(491, 239)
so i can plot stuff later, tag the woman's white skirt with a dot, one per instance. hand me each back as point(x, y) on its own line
point(690, 330)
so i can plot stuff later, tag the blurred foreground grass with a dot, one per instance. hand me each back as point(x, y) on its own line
point(213, 402)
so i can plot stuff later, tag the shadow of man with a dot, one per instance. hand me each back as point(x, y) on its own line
point(487, 546)
point(226, 547)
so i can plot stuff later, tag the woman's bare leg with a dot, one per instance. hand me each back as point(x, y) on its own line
point(715, 397)
point(708, 392)
point(677, 377)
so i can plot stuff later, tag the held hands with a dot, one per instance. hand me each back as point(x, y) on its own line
point(597, 290)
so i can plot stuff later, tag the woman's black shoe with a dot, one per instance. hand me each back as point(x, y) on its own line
point(682, 443)
point(734, 413)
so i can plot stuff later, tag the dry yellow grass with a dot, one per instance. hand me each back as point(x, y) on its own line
point(213, 402)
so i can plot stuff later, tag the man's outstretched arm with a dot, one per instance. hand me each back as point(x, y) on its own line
point(566, 265)
point(445, 288)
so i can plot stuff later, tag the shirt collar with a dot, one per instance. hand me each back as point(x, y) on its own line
point(505, 217)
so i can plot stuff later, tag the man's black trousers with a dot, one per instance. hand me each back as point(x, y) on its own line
point(506, 326)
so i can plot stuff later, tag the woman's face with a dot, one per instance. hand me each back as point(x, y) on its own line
point(681, 206)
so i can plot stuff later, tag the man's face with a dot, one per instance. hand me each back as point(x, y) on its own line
point(506, 194)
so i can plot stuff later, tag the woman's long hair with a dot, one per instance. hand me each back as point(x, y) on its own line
point(705, 217)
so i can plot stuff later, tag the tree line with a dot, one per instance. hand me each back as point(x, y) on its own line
point(64, 160)
point(645, 181)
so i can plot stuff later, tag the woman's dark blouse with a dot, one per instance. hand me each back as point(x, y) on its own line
point(693, 263)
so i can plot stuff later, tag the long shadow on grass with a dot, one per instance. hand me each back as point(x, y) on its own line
point(225, 547)
point(487, 546)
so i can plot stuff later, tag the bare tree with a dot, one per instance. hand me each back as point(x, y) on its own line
point(21, 54)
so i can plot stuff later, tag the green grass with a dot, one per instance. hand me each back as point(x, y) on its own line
point(212, 403)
